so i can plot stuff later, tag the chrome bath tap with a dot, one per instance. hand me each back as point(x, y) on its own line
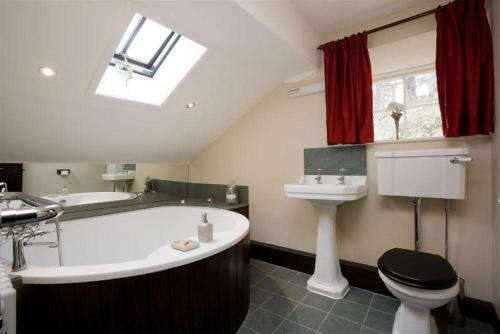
point(23, 236)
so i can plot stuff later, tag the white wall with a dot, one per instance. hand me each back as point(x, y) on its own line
point(264, 150)
point(161, 171)
point(42, 179)
point(495, 15)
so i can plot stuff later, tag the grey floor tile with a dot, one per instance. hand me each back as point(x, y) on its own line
point(264, 267)
point(290, 327)
point(301, 279)
point(350, 311)
point(258, 296)
point(292, 291)
point(263, 321)
point(255, 276)
point(321, 302)
point(251, 308)
point(284, 274)
point(271, 284)
point(359, 296)
point(307, 316)
point(471, 327)
point(333, 324)
point(380, 321)
point(367, 330)
point(385, 304)
point(279, 305)
point(245, 330)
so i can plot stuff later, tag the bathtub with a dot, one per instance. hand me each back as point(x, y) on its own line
point(121, 274)
point(89, 197)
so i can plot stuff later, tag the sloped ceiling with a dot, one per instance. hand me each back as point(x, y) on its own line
point(252, 47)
point(60, 119)
point(327, 16)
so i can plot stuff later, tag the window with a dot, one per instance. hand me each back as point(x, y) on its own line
point(145, 44)
point(148, 63)
point(418, 93)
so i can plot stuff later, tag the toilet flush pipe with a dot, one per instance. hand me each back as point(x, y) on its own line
point(417, 202)
point(446, 229)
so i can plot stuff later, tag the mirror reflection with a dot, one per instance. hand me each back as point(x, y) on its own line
point(73, 184)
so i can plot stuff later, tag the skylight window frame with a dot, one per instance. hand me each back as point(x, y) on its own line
point(146, 69)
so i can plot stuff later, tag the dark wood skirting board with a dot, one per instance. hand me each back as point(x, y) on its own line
point(206, 296)
point(359, 275)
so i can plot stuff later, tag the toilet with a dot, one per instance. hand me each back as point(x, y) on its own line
point(422, 282)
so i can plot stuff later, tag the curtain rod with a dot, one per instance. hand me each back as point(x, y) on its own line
point(396, 23)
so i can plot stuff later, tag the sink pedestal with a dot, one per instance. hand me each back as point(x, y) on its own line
point(327, 279)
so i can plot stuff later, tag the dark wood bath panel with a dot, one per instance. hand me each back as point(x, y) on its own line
point(206, 296)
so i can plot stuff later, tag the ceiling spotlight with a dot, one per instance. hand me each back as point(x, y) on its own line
point(47, 71)
point(190, 105)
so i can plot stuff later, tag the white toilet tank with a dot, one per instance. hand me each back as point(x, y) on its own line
point(425, 173)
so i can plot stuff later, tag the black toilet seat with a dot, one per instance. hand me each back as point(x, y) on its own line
point(417, 269)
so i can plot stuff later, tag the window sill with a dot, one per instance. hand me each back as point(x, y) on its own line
point(430, 139)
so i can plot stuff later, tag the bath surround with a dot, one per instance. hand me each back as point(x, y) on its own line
point(135, 280)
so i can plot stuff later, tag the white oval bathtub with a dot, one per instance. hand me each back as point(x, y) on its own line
point(127, 244)
point(89, 197)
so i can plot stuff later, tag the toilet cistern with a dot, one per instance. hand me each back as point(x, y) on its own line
point(327, 279)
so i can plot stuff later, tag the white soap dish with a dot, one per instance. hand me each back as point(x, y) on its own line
point(185, 245)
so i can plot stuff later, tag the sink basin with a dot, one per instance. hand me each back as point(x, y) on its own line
point(327, 279)
point(330, 189)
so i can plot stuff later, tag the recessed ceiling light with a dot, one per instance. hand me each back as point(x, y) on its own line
point(190, 105)
point(47, 71)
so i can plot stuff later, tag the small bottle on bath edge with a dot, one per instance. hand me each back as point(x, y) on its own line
point(205, 229)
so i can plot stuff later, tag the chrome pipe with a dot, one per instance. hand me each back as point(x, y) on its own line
point(417, 202)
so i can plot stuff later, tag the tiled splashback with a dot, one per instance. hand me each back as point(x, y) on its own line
point(198, 190)
point(331, 159)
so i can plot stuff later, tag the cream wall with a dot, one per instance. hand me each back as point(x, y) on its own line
point(42, 179)
point(496, 161)
point(264, 150)
point(161, 171)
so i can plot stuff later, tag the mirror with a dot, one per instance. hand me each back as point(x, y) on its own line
point(73, 184)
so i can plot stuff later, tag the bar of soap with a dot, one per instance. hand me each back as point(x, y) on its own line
point(185, 245)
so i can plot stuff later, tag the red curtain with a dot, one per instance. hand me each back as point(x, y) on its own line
point(348, 90)
point(464, 68)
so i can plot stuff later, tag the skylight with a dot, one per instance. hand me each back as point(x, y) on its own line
point(149, 62)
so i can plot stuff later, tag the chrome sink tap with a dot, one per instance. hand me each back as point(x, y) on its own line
point(317, 179)
point(341, 178)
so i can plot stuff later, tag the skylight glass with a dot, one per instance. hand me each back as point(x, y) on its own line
point(148, 41)
point(149, 62)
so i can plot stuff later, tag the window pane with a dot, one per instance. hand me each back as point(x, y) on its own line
point(384, 126)
point(421, 89)
point(147, 41)
point(387, 91)
point(423, 122)
point(130, 29)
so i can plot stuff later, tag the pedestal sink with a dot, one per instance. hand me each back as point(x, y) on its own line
point(327, 279)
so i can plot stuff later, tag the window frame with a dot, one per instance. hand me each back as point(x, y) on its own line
point(403, 74)
point(146, 69)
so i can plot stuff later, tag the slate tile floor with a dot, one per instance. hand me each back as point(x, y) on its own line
point(280, 303)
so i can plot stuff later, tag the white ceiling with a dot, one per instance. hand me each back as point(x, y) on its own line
point(327, 16)
point(252, 47)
